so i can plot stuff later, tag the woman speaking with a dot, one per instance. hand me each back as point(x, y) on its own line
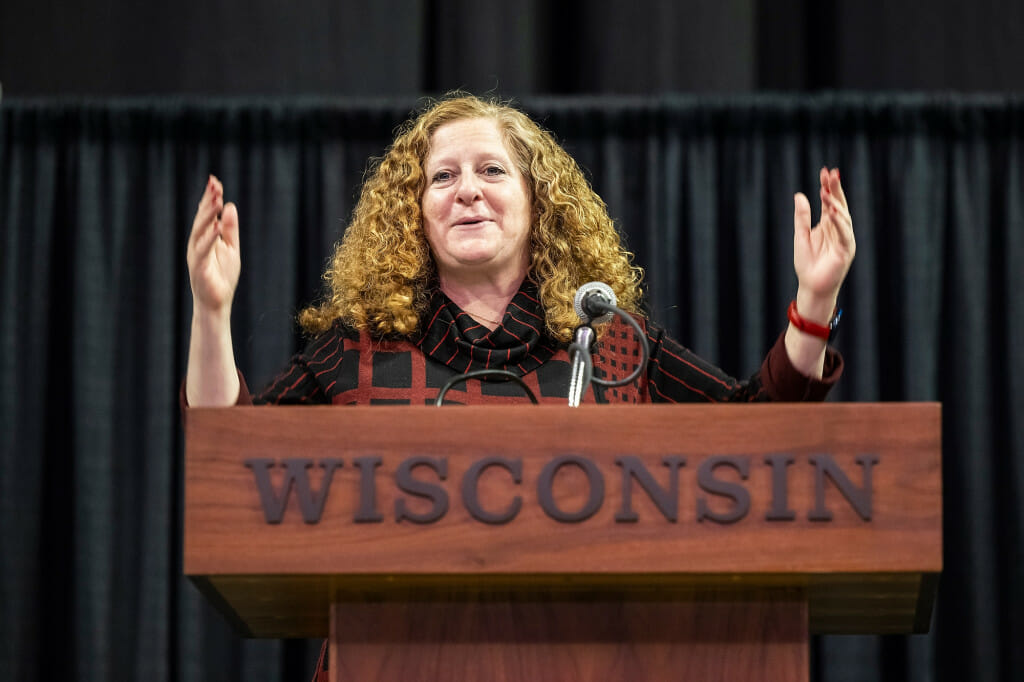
point(469, 241)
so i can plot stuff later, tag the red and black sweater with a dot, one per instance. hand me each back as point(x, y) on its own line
point(347, 367)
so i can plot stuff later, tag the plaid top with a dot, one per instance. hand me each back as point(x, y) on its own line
point(349, 367)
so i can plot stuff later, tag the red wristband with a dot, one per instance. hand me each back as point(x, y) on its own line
point(808, 327)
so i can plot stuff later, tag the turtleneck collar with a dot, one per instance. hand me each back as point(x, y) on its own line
point(519, 344)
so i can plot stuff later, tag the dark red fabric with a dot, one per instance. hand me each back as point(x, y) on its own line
point(348, 367)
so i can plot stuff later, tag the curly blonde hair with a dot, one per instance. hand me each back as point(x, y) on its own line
point(382, 274)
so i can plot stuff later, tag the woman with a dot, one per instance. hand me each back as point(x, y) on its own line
point(468, 242)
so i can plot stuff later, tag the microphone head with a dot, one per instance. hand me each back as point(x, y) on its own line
point(590, 294)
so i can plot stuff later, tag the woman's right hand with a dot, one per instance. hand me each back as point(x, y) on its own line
point(214, 259)
point(214, 263)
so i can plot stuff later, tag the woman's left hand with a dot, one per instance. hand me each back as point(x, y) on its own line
point(822, 256)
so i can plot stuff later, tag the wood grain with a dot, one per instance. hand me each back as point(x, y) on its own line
point(279, 580)
point(762, 638)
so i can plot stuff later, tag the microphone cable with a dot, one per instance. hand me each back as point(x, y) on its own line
point(596, 302)
point(645, 351)
point(482, 374)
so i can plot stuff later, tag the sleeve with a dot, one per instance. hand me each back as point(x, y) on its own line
point(296, 385)
point(785, 383)
point(677, 374)
point(303, 380)
point(299, 383)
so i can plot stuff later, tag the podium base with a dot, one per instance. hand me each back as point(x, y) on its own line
point(763, 637)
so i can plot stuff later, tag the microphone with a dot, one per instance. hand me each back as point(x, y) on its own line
point(581, 371)
point(595, 303)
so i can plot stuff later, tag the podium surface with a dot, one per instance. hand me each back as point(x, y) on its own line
point(388, 526)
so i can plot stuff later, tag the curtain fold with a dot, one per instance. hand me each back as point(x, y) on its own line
point(96, 201)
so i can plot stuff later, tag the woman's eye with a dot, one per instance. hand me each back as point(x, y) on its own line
point(442, 176)
point(494, 170)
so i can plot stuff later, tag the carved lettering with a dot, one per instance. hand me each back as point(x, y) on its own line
point(547, 498)
point(470, 494)
point(859, 498)
point(667, 501)
point(367, 512)
point(734, 491)
point(311, 504)
point(424, 477)
point(780, 510)
point(430, 491)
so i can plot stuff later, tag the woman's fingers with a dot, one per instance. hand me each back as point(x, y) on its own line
point(229, 225)
point(823, 254)
point(213, 254)
point(206, 217)
point(836, 186)
point(802, 216)
point(835, 212)
point(831, 185)
point(824, 177)
point(204, 241)
point(208, 203)
point(840, 222)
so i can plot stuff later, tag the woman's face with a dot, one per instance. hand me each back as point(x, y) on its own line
point(476, 205)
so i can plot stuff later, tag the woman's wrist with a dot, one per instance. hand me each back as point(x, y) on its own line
point(815, 308)
point(211, 320)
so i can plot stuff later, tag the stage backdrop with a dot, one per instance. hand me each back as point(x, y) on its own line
point(96, 200)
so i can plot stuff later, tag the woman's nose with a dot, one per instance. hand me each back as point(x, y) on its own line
point(468, 189)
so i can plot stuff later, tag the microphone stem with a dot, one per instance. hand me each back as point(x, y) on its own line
point(582, 364)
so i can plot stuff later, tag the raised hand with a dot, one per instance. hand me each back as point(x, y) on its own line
point(822, 256)
point(214, 263)
point(214, 260)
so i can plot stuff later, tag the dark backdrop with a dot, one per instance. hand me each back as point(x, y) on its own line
point(96, 200)
point(398, 47)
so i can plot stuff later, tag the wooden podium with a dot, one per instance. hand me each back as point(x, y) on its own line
point(547, 543)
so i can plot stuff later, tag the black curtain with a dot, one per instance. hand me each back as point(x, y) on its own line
point(569, 47)
point(96, 200)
